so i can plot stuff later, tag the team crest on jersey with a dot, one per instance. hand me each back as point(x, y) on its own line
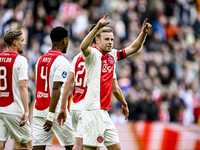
point(111, 60)
point(100, 138)
point(64, 74)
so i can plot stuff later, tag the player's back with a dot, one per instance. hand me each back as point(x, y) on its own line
point(80, 86)
point(13, 68)
point(50, 67)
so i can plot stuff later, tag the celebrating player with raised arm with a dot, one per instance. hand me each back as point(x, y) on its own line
point(98, 129)
point(76, 75)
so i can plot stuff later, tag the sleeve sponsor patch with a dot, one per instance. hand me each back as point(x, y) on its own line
point(64, 74)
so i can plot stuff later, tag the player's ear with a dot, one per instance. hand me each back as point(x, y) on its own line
point(15, 42)
point(96, 40)
point(65, 40)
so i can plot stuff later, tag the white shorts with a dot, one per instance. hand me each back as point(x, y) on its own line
point(77, 122)
point(65, 134)
point(9, 125)
point(98, 129)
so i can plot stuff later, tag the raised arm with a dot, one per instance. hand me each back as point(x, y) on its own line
point(117, 92)
point(23, 90)
point(88, 39)
point(137, 44)
point(66, 91)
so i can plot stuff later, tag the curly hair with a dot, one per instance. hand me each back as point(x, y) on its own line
point(58, 33)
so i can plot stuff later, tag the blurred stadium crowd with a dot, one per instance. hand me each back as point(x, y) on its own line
point(160, 83)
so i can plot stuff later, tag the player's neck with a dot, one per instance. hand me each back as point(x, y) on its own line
point(97, 47)
point(56, 47)
point(11, 48)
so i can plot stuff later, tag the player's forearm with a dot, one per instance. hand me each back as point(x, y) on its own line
point(54, 99)
point(136, 45)
point(119, 96)
point(88, 40)
point(65, 95)
point(23, 90)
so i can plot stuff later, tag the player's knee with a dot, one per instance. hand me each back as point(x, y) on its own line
point(2, 145)
point(114, 147)
point(42, 147)
point(27, 145)
point(77, 147)
point(68, 147)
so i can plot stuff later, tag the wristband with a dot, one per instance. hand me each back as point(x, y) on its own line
point(50, 116)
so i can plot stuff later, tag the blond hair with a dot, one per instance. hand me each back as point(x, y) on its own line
point(101, 30)
point(11, 35)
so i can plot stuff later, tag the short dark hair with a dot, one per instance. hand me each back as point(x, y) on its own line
point(58, 33)
point(11, 35)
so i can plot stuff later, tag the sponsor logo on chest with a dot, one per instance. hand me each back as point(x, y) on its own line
point(107, 68)
point(108, 64)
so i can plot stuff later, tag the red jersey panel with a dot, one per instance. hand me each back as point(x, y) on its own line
point(99, 73)
point(80, 86)
point(7, 60)
point(43, 96)
point(107, 70)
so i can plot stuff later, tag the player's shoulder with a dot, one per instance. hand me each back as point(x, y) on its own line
point(114, 50)
point(62, 60)
point(21, 58)
point(78, 56)
point(94, 49)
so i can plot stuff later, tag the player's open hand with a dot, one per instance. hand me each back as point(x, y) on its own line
point(146, 26)
point(126, 111)
point(61, 117)
point(102, 22)
point(47, 125)
point(24, 119)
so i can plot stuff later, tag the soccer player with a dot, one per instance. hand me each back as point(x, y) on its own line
point(76, 75)
point(14, 110)
point(98, 129)
point(51, 73)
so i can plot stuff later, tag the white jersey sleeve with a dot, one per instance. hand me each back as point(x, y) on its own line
point(61, 69)
point(23, 68)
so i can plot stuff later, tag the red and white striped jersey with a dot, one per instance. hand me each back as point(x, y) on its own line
point(99, 76)
point(50, 67)
point(78, 68)
point(13, 68)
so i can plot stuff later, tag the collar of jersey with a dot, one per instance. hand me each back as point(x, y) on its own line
point(55, 50)
point(99, 50)
point(10, 51)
